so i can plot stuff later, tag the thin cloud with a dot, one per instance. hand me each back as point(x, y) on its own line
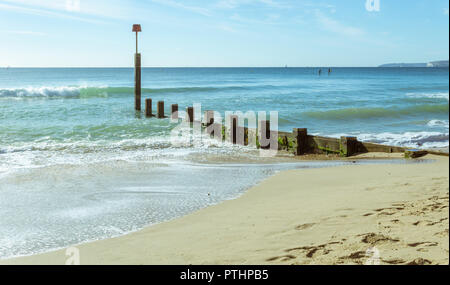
point(227, 28)
point(337, 27)
point(45, 13)
point(47, 4)
point(30, 33)
point(74, 9)
point(179, 5)
point(232, 4)
point(271, 19)
point(274, 4)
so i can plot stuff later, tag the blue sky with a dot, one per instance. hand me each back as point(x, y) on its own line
point(91, 33)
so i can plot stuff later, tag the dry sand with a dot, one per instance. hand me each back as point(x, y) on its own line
point(388, 214)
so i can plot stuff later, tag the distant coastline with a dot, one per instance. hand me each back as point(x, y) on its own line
point(441, 63)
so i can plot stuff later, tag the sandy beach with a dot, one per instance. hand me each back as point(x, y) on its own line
point(387, 214)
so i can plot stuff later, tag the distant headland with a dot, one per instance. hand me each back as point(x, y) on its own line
point(441, 63)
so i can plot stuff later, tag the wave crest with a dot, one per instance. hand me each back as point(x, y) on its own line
point(87, 92)
point(424, 140)
point(369, 113)
point(63, 91)
point(435, 95)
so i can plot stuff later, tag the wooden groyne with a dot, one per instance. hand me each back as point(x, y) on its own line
point(297, 142)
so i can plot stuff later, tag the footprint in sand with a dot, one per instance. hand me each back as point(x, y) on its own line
point(304, 226)
point(420, 222)
point(386, 213)
point(394, 261)
point(373, 238)
point(282, 258)
point(419, 261)
point(355, 255)
point(437, 222)
point(426, 243)
point(310, 251)
point(442, 233)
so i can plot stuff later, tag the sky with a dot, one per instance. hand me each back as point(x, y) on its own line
point(222, 33)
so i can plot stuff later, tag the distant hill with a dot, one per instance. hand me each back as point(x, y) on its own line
point(441, 63)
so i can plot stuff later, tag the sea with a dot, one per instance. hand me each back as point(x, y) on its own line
point(78, 163)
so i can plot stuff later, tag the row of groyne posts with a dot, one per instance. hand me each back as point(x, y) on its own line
point(298, 142)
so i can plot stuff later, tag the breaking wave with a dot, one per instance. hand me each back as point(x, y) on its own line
point(424, 140)
point(433, 95)
point(368, 113)
point(86, 92)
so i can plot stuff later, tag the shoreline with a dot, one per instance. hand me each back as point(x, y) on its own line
point(280, 221)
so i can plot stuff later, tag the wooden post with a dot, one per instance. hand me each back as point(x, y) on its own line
point(190, 114)
point(415, 153)
point(284, 143)
point(264, 134)
point(213, 129)
point(148, 108)
point(209, 118)
point(137, 71)
point(301, 135)
point(160, 110)
point(348, 146)
point(137, 82)
point(233, 128)
point(174, 111)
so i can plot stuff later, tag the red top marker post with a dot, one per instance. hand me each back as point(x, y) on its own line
point(137, 28)
point(137, 71)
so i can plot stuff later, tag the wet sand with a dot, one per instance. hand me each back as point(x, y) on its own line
point(352, 214)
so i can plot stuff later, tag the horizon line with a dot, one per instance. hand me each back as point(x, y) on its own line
point(283, 67)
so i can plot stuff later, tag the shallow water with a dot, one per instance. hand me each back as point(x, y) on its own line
point(52, 207)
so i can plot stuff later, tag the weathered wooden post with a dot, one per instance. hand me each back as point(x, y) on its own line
point(301, 136)
point(348, 146)
point(415, 153)
point(213, 128)
point(148, 108)
point(137, 71)
point(233, 128)
point(160, 110)
point(283, 142)
point(264, 134)
point(174, 111)
point(190, 114)
point(209, 118)
point(137, 82)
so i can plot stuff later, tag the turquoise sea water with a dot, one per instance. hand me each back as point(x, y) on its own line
point(77, 164)
point(402, 106)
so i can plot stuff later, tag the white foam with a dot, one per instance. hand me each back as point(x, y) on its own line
point(422, 140)
point(438, 123)
point(434, 95)
point(27, 155)
point(44, 91)
point(411, 139)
